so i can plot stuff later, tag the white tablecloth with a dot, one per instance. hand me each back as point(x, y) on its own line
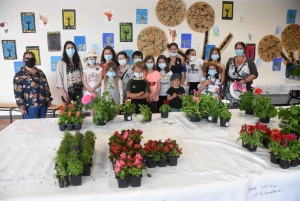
point(213, 165)
point(277, 86)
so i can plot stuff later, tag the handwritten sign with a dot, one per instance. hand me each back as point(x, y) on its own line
point(265, 190)
point(22, 178)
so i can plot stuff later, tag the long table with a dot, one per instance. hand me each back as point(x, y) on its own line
point(213, 165)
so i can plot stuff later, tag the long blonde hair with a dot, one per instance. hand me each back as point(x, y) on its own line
point(114, 67)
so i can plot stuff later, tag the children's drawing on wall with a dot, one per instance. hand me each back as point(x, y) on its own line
point(5, 28)
point(242, 17)
point(250, 50)
point(276, 64)
point(291, 16)
point(172, 34)
point(69, 19)
point(80, 43)
point(53, 62)
point(186, 40)
point(197, 44)
point(250, 35)
point(53, 39)
point(125, 32)
point(36, 51)
point(227, 11)
point(207, 50)
point(18, 65)
point(9, 49)
point(108, 39)
point(216, 31)
point(95, 49)
point(44, 20)
point(278, 30)
point(129, 56)
point(142, 16)
point(290, 69)
point(258, 63)
point(28, 22)
point(109, 16)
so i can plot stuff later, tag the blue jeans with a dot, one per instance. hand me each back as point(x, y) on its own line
point(175, 109)
point(35, 112)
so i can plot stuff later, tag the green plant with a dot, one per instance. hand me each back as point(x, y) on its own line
point(128, 108)
point(70, 114)
point(223, 111)
point(262, 106)
point(251, 135)
point(127, 165)
point(154, 149)
point(75, 165)
point(292, 71)
point(165, 107)
point(291, 118)
point(297, 72)
point(61, 173)
point(146, 112)
point(246, 100)
point(191, 105)
point(171, 147)
point(211, 105)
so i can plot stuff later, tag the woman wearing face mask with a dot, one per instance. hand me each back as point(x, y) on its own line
point(108, 54)
point(194, 70)
point(165, 80)
point(176, 63)
point(240, 69)
point(31, 89)
point(125, 71)
point(69, 74)
point(92, 75)
point(112, 83)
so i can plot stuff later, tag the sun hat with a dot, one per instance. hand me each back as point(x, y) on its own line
point(206, 64)
point(91, 54)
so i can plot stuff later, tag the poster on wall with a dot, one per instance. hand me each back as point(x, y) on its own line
point(18, 65)
point(291, 16)
point(68, 19)
point(197, 44)
point(142, 16)
point(28, 22)
point(109, 16)
point(9, 49)
point(242, 17)
point(125, 32)
point(95, 49)
point(53, 62)
point(227, 10)
point(44, 21)
point(207, 50)
point(129, 56)
point(80, 43)
point(5, 28)
point(216, 31)
point(258, 63)
point(186, 40)
point(250, 35)
point(276, 66)
point(289, 66)
point(36, 51)
point(108, 39)
point(278, 30)
point(53, 39)
point(250, 50)
point(172, 35)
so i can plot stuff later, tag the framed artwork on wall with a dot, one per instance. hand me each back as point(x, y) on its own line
point(9, 49)
point(250, 50)
point(69, 19)
point(227, 10)
point(125, 32)
point(53, 39)
point(28, 22)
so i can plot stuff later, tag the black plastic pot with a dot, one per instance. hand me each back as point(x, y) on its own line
point(172, 161)
point(64, 181)
point(264, 120)
point(244, 145)
point(151, 163)
point(294, 162)
point(284, 164)
point(62, 127)
point(136, 181)
point(252, 148)
point(224, 122)
point(212, 120)
point(164, 114)
point(266, 142)
point(77, 126)
point(102, 123)
point(194, 118)
point(86, 170)
point(123, 183)
point(273, 158)
point(127, 117)
point(70, 127)
point(162, 162)
point(249, 111)
point(76, 180)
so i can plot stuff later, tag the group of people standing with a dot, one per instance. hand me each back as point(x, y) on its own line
point(145, 82)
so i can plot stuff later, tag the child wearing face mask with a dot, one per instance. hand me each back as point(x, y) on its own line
point(165, 74)
point(138, 88)
point(211, 82)
point(176, 64)
point(108, 54)
point(92, 75)
point(112, 83)
point(153, 78)
point(138, 56)
point(194, 70)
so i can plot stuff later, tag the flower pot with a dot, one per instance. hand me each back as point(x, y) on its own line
point(77, 126)
point(172, 161)
point(296, 77)
point(70, 127)
point(76, 180)
point(86, 170)
point(224, 122)
point(294, 162)
point(102, 123)
point(127, 117)
point(291, 77)
point(252, 148)
point(194, 118)
point(151, 163)
point(266, 142)
point(212, 119)
point(273, 158)
point(123, 183)
point(62, 127)
point(284, 164)
point(64, 181)
point(91, 163)
point(162, 162)
point(244, 145)
point(264, 120)
point(150, 118)
point(164, 114)
point(136, 181)
point(249, 111)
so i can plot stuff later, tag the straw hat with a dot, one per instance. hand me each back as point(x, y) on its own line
point(90, 54)
point(206, 64)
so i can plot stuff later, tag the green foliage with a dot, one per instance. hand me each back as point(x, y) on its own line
point(274, 147)
point(223, 111)
point(246, 100)
point(210, 104)
point(165, 107)
point(75, 165)
point(263, 108)
point(128, 108)
point(146, 112)
point(253, 140)
point(191, 105)
point(287, 154)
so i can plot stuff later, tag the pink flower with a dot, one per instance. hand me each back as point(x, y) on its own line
point(290, 137)
point(253, 85)
point(128, 157)
point(138, 157)
point(122, 163)
point(125, 135)
point(123, 155)
point(93, 95)
point(117, 169)
point(137, 162)
point(196, 99)
point(86, 99)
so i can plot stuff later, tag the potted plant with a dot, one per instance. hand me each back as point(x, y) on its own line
point(224, 114)
point(290, 118)
point(173, 151)
point(263, 109)
point(246, 101)
point(129, 168)
point(296, 74)
point(211, 107)
point(145, 112)
point(87, 153)
point(75, 167)
point(291, 73)
point(152, 152)
point(62, 176)
point(295, 148)
point(164, 109)
point(191, 106)
point(274, 146)
point(251, 137)
point(128, 109)
point(266, 133)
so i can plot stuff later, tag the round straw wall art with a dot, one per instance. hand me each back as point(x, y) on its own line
point(170, 12)
point(269, 47)
point(290, 38)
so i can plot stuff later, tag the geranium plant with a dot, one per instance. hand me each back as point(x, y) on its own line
point(262, 106)
point(146, 112)
point(191, 105)
point(70, 114)
point(290, 118)
point(165, 107)
point(127, 165)
point(128, 108)
point(251, 134)
point(211, 106)
point(223, 112)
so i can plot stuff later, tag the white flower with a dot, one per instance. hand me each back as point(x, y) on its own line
point(253, 85)
point(225, 101)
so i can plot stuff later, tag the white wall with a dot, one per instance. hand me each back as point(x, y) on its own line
point(261, 17)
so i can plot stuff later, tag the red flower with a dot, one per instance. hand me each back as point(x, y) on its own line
point(116, 133)
point(258, 91)
point(291, 137)
point(166, 102)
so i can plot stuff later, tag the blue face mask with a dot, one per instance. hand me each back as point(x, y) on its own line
point(91, 61)
point(173, 54)
point(137, 60)
point(108, 57)
point(70, 52)
point(138, 75)
point(162, 65)
point(212, 72)
point(215, 57)
point(239, 52)
point(149, 65)
point(111, 74)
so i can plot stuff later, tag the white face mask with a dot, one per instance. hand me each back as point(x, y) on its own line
point(122, 62)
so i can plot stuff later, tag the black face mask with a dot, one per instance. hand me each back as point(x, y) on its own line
point(29, 62)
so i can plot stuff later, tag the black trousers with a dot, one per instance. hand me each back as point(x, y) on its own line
point(73, 97)
point(193, 86)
